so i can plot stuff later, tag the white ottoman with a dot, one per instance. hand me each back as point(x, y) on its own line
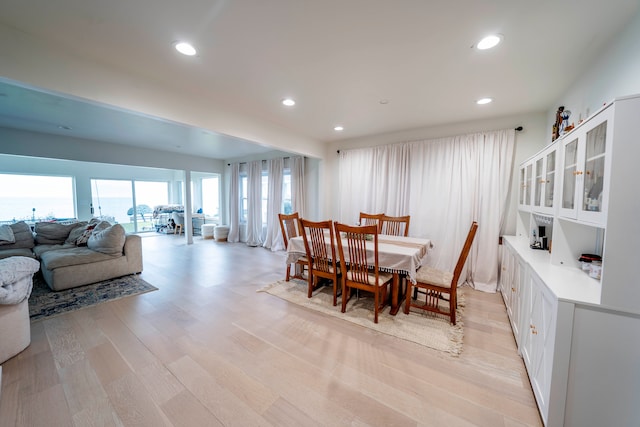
point(16, 275)
point(207, 231)
point(221, 232)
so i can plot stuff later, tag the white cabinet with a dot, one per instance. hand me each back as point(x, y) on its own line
point(538, 337)
point(585, 170)
point(512, 271)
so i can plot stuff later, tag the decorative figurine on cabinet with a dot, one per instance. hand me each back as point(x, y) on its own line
point(558, 123)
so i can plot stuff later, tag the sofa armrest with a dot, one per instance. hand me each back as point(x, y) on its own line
point(133, 252)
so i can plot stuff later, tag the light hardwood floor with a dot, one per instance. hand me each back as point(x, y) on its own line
point(207, 350)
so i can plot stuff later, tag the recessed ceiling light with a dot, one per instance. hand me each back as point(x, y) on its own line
point(489, 42)
point(185, 48)
point(338, 128)
point(384, 101)
point(288, 102)
point(483, 101)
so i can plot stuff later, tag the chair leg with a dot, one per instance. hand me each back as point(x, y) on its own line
point(375, 305)
point(453, 303)
point(345, 296)
point(311, 285)
point(288, 272)
point(407, 300)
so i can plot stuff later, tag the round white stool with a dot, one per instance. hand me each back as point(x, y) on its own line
point(207, 231)
point(221, 232)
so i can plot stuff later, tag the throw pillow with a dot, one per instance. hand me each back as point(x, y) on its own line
point(6, 235)
point(82, 239)
point(23, 235)
point(108, 240)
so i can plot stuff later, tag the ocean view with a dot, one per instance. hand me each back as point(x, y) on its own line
point(21, 208)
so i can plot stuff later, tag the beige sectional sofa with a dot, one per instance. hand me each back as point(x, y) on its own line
point(77, 254)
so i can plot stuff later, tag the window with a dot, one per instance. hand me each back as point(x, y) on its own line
point(36, 197)
point(211, 197)
point(286, 192)
point(265, 197)
point(243, 197)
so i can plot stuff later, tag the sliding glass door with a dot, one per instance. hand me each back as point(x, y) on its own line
point(128, 202)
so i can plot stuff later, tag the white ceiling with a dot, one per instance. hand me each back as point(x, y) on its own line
point(337, 58)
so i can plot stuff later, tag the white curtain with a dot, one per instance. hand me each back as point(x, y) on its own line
point(273, 239)
point(384, 187)
point(444, 184)
point(297, 186)
point(254, 203)
point(234, 204)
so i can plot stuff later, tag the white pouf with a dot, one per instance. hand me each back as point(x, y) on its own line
point(207, 231)
point(221, 232)
point(16, 275)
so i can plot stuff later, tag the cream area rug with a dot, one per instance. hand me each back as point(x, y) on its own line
point(424, 328)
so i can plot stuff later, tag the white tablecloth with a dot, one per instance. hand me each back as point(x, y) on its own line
point(396, 254)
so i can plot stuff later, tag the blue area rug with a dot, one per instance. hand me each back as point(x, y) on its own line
point(44, 302)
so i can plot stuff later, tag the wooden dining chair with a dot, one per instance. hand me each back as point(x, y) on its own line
point(361, 271)
point(395, 225)
point(323, 263)
point(433, 283)
point(368, 219)
point(290, 226)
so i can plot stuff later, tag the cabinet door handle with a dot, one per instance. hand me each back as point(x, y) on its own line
point(542, 181)
point(588, 172)
point(513, 289)
point(577, 173)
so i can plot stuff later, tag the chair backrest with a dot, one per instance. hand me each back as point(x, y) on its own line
point(178, 218)
point(463, 255)
point(290, 226)
point(395, 225)
point(355, 239)
point(314, 242)
point(368, 219)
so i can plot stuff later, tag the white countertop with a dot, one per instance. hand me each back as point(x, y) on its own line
point(567, 283)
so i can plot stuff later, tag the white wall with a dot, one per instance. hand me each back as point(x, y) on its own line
point(615, 73)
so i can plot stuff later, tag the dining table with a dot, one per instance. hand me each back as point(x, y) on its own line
point(399, 255)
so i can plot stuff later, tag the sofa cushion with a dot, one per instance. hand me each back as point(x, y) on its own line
point(72, 255)
point(52, 233)
point(22, 235)
point(38, 250)
point(6, 235)
point(109, 240)
point(7, 253)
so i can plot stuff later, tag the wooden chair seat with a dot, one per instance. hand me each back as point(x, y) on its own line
point(434, 277)
point(371, 278)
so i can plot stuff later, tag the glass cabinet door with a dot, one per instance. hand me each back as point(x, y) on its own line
point(538, 182)
point(570, 174)
point(594, 168)
point(527, 192)
point(523, 186)
point(550, 178)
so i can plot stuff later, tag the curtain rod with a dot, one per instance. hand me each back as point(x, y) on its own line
point(244, 163)
point(517, 129)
